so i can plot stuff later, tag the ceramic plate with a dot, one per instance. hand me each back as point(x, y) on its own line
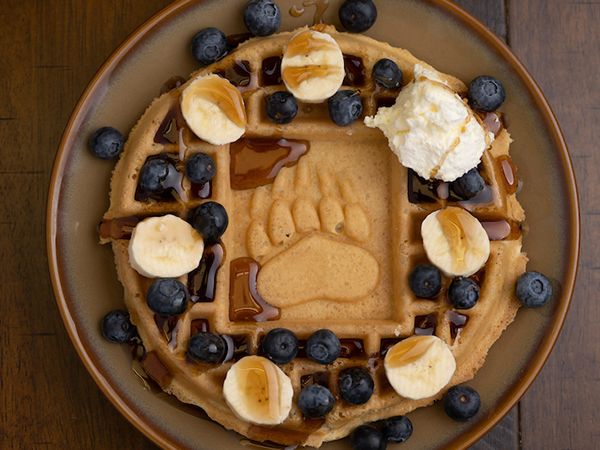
point(83, 272)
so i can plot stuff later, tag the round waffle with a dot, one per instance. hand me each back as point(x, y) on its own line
point(340, 194)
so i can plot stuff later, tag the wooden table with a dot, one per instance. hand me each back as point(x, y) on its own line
point(49, 50)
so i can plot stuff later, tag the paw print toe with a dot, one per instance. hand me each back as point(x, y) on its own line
point(305, 215)
point(257, 240)
point(281, 223)
point(357, 223)
point(259, 204)
point(331, 215)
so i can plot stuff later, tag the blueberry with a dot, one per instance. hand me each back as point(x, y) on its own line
point(117, 328)
point(345, 107)
point(262, 17)
point(323, 346)
point(200, 168)
point(209, 45)
point(356, 385)
point(282, 107)
point(468, 185)
point(167, 297)
point(315, 401)
point(206, 347)
point(397, 429)
point(210, 220)
point(461, 402)
point(154, 175)
point(106, 143)
point(463, 293)
point(280, 345)
point(367, 437)
point(533, 289)
point(358, 15)
point(426, 281)
point(486, 93)
point(387, 73)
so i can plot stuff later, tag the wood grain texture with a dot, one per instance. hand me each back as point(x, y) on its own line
point(559, 42)
point(492, 13)
point(49, 52)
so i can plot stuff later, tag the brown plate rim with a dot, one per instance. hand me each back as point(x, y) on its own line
point(535, 364)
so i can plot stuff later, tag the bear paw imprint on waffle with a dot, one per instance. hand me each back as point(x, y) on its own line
point(306, 231)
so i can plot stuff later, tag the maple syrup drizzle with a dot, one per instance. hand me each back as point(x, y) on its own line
point(296, 11)
point(425, 325)
point(479, 276)
point(256, 162)
point(321, 378)
point(138, 350)
point(355, 71)
point(168, 326)
point(307, 42)
point(492, 122)
point(169, 131)
point(386, 344)
point(234, 40)
point(240, 75)
point(265, 445)
point(245, 303)
point(320, 9)
point(202, 281)
point(384, 102)
point(156, 370)
point(421, 190)
point(452, 226)
point(510, 173)
point(407, 352)
point(173, 182)
point(351, 348)
point(182, 146)
point(271, 71)
point(497, 230)
point(120, 228)
point(443, 190)
point(198, 326)
point(297, 434)
point(237, 347)
point(203, 190)
point(296, 75)
point(457, 322)
point(224, 95)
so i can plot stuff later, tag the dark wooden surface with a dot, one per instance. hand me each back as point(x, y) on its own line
point(49, 49)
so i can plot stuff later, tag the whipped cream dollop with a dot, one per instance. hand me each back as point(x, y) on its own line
point(431, 129)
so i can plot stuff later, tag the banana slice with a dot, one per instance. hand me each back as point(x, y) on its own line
point(258, 391)
point(455, 241)
point(214, 110)
point(165, 247)
point(419, 366)
point(313, 66)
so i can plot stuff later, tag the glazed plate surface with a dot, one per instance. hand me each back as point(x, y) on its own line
point(83, 272)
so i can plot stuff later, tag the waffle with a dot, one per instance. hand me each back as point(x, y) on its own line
point(347, 194)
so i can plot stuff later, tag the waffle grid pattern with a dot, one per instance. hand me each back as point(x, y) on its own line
point(201, 384)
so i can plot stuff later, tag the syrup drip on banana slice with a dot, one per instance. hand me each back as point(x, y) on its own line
point(419, 366)
point(214, 110)
point(313, 66)
point(258, 391)
point(455, 241)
